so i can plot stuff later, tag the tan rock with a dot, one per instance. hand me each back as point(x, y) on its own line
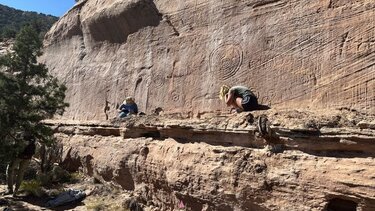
point(300, 54)
point(366, 125)
point(221, 178)
point(205, 165)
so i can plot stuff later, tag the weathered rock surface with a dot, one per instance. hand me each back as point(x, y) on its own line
point(212, 169)
point(176, 55)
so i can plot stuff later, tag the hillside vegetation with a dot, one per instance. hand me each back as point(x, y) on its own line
point(12, 20)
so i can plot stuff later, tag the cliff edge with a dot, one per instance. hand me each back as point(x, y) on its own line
point(307, 161)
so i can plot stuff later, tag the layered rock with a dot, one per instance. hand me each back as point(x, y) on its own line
point(176, 55)
point(219, 162)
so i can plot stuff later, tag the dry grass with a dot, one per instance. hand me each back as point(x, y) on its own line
point(99, 204)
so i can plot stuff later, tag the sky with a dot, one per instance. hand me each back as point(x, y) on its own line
point(49, 7)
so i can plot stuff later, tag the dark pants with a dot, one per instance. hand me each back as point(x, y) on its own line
point(249, 103)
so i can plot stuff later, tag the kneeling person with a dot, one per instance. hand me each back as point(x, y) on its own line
point(239, 98)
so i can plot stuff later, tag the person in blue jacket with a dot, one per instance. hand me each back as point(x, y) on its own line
point(128, 107)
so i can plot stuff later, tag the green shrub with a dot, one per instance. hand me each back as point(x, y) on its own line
point(74, 177)
point(32, 187)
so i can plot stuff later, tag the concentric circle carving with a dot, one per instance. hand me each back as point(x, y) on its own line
point(226, 60)
point(159, 81)
point(175, 96)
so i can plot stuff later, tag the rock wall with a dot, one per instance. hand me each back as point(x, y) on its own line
point(166, 173)
point(299, 54)
point(220, 163)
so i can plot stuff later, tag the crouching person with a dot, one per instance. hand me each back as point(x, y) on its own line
point(239, 98)
point(16, 168)
point(128, 107)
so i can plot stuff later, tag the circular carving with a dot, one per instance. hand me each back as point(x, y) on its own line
point(175, 96)
point(159, 81)
point(226, 60)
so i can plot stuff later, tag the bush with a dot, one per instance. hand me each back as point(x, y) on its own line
point(33, 187)
point(57, 175)
point(9, 33)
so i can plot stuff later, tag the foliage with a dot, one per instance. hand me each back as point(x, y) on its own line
point(28, 93)
point(32, 187)
point(75, 177)
point(57, 175)
point(49, 155)
point(50, 183)
point(12, 20)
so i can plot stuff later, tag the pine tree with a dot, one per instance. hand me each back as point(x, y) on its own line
point(28, 93)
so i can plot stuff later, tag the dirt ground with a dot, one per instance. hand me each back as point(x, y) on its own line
point(98, 197)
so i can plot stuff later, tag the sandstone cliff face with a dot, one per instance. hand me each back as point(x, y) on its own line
point(176, 55)
point(220, 163)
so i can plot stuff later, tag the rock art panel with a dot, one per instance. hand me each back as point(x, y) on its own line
point(300, 54)
point(226, 60)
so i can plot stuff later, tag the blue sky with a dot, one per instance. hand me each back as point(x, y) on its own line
point(49, 7)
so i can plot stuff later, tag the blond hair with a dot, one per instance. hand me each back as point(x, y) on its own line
point(128, 99)
point(223, 91)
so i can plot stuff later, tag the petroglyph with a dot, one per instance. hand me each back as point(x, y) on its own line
point(226, 60)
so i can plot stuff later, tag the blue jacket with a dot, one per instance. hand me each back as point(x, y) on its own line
point(129, 108)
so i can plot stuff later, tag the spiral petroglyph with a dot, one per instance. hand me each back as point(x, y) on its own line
point(159, 81)
point(175, 96)
point(226, 60)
